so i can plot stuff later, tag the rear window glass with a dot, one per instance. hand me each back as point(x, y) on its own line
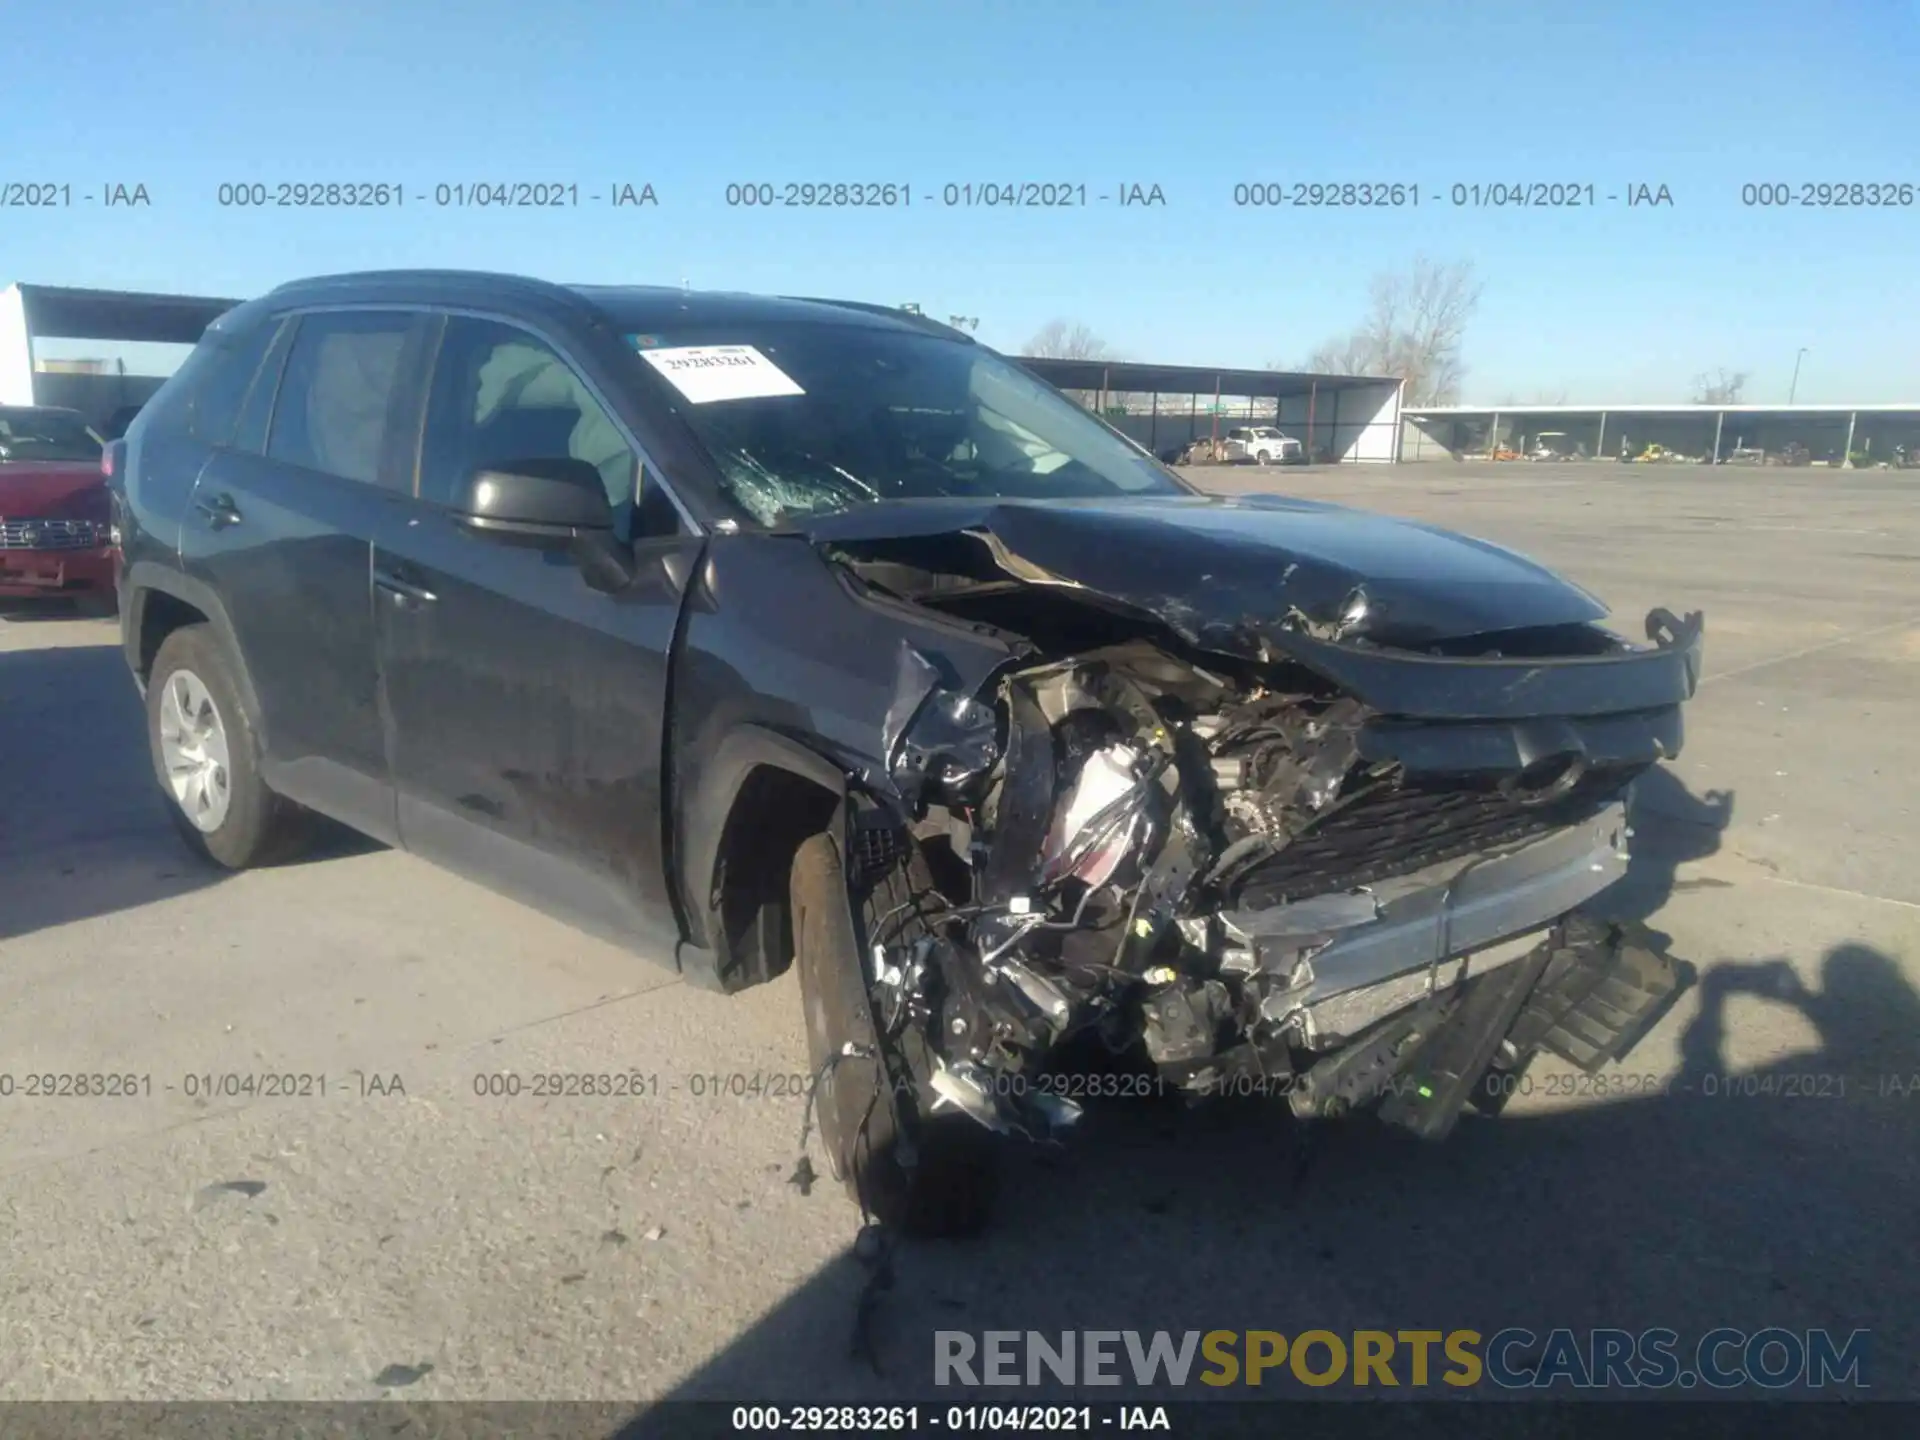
point(332, 411)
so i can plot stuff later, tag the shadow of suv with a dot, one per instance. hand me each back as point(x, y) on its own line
point(751, 632)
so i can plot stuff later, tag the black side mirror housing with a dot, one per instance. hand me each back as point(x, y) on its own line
point(549, 498)
point(605, 563)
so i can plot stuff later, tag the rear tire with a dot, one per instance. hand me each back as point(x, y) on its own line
point(931, 1176)
point(206, 755)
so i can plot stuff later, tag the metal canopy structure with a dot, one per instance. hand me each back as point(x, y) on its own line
point(1829, 434)
point(55, 312)
point(106, 388)
point(1123, 376)
point(1339, 417)
point(1761, 408)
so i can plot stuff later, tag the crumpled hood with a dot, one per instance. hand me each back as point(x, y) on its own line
point(1229, 570)
point(42, 489)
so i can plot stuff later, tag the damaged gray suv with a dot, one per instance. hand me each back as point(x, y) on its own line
point(760, 633)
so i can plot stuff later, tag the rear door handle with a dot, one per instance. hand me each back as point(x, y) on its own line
point(402, 587)
point(219, 510)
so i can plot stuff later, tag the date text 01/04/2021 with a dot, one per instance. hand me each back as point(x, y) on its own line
point(62, 195)
point(1476, 195)
point(200, 1085)
point(455, 195)
point(641, 1085)
point(964, 1419)
point(902, 194)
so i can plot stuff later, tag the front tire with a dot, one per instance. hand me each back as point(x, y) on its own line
point(931, 1176)
point(206, 756)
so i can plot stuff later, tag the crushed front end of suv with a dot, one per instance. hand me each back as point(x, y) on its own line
point(1285, 799)
point(758, 633)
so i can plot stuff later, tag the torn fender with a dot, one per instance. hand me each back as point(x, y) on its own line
point(783, 667)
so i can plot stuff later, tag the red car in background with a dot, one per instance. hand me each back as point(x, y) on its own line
point(55, 526)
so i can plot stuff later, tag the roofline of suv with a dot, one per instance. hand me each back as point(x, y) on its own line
point(320, 288)
point(361, 282)
point(905, 317)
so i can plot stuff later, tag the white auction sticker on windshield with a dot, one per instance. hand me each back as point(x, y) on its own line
point(705, 373)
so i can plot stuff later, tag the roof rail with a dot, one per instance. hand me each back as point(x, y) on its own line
point(912, 317)
point(527, 284)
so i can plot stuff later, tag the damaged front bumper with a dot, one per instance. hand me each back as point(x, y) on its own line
point(1586, 991)
point(1354, 873)
point(1335, 969)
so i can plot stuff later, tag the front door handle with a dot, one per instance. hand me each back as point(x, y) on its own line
point(219, 510)
point(403, 589)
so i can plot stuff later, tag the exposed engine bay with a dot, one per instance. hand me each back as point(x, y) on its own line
point(1241, 873)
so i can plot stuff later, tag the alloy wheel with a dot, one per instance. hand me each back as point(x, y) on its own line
point(193, 746)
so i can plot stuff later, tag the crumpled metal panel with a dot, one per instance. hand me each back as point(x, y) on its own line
point(1270, 579)
point(1428, 919)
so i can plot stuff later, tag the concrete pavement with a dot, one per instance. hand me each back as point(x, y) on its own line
point(407, 1233)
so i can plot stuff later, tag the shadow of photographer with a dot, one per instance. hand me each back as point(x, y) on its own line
point(1712, 1194)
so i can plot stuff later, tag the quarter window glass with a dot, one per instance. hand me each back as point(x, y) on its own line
point(500, 395)
point(222, 386)
point(332, 410)
point(250, 434)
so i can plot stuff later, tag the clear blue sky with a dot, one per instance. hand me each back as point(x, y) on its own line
point(1608, 304)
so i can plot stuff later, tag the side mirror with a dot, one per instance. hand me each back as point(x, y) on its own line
point(547, 499)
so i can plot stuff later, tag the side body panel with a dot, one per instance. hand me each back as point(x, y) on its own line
point(784, 664)
point(526, 717)
point(290, 549)
point(150, 495)
point(526, 712)
point(294, 572)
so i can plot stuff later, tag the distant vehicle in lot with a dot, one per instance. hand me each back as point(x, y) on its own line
point(1268, 446)
point(55, 538)
point(1556, 445)
point(1207, 450)
point(760, 633)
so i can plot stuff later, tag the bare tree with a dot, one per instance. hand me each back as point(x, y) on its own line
point(1067, 340)
point(1724, 388)
point(1349, 355)
point(1071, 340)
point(1416, 323)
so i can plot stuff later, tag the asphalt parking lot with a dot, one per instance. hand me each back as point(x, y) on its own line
point(1755, 1163)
